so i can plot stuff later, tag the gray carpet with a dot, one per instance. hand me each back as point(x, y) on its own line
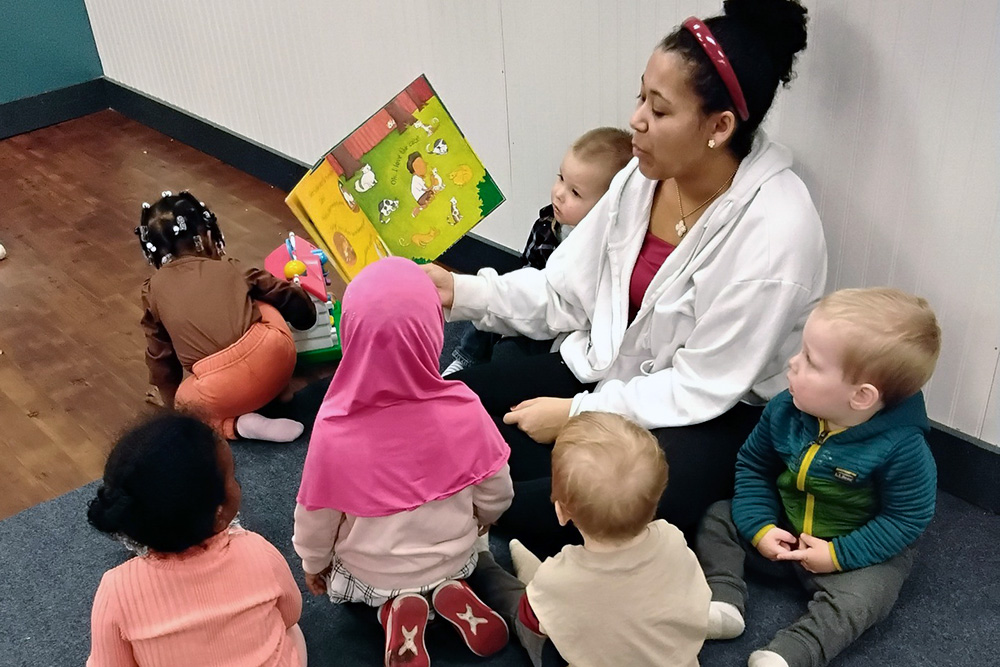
point(51, 562)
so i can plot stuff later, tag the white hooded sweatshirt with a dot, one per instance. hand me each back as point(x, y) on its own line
point(719, 320)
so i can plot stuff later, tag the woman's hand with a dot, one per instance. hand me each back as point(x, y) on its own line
point(541, 418)
point(444, 281)
point(316, 583)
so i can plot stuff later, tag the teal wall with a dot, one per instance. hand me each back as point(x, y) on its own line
point(44, 45)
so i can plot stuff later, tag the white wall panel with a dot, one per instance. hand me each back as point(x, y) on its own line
point(893, 118)
point(299, 76)
point(894, 122)
point(991, 425)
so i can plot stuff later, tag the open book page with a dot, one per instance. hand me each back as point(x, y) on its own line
point(336, 221)
point(409, 173)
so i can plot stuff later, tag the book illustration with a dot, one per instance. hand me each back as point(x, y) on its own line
point(367, 179)
point(455, 214)
point(406, 182)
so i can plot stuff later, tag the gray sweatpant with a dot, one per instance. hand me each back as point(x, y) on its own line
point(502, 592)
point(843, 605)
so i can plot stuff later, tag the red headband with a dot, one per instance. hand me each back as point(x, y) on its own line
point(696, 27)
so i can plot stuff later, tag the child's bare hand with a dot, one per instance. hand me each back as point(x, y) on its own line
point(541, 418)
point(316, 583)
point(776, 542)
point(813, 554)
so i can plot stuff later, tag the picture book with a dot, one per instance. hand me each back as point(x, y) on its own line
point(405, 183)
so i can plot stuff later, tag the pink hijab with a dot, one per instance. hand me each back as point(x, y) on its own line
point(392, 434)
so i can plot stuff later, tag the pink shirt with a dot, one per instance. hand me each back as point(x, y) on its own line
point(407, 549)
point(227, 601)
point(653, 253)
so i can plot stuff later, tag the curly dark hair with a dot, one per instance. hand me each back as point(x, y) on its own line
point(162, 484)
point(761, 39)
point(176, 225)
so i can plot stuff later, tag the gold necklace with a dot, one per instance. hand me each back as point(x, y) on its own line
point(680, 227)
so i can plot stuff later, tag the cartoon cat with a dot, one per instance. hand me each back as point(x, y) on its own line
point(461, 175)
point(421, 239)
point(438, 182)
point(348, 199)
point(439, 147)
point(366, 181)
point(385, 209)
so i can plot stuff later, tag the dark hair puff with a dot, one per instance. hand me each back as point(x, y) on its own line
point(761, 39)
point(162, 484)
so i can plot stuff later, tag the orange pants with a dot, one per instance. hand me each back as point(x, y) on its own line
point(242, 378)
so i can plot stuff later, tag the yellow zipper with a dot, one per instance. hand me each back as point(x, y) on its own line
point(800, 480)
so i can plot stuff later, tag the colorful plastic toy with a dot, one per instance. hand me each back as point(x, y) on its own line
point(295, 268)
point(301, 262)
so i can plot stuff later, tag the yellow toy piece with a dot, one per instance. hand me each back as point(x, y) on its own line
point(294, 268)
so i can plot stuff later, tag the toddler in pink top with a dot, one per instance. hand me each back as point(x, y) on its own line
point(169, 493)
point(403, 470)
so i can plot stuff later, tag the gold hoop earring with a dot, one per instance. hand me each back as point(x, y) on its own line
point(711, 143)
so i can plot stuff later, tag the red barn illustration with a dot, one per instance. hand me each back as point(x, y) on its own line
point(398, 114)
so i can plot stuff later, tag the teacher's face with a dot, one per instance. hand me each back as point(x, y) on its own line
point(671, 132)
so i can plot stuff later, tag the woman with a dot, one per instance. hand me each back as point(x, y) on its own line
point(684, 290)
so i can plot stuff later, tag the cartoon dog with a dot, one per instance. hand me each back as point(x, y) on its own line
point(386, 208)
point(348, 199)
point(439, 147)
point(456, 215)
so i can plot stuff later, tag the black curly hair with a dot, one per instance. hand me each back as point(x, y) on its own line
point(761, 39)
point(178, 225)
point(162, 484)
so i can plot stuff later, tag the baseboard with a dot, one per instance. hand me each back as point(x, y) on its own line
point(248, 156)
point(468, 255)
point(967, 468)
point(57, 106)
point(471, 253)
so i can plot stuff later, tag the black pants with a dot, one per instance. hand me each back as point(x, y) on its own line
point(701, 457)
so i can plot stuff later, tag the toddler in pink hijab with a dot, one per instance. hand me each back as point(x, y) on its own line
point(403, 470)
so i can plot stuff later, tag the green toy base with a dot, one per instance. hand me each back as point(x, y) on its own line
point(321, 356)
point(327, 354)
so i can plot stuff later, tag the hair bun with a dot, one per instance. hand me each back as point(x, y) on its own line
point(107, 512)
point(780, 25)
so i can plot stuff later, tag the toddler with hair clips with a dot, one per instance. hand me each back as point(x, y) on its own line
point(836, 482)
point(203, 591)
point(216, 321)
point(404, 469)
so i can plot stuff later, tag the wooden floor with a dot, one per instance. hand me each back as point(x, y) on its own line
point(71, 368)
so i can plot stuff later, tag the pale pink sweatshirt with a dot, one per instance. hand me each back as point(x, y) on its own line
point(227, 601)
point(407, 549)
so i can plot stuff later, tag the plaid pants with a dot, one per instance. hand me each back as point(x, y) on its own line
point(342, 586)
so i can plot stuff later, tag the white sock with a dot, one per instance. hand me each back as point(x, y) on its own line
point(525, 562)
point(724, 621)
point(253, 426)
point(762, 658)
point(482, 542)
